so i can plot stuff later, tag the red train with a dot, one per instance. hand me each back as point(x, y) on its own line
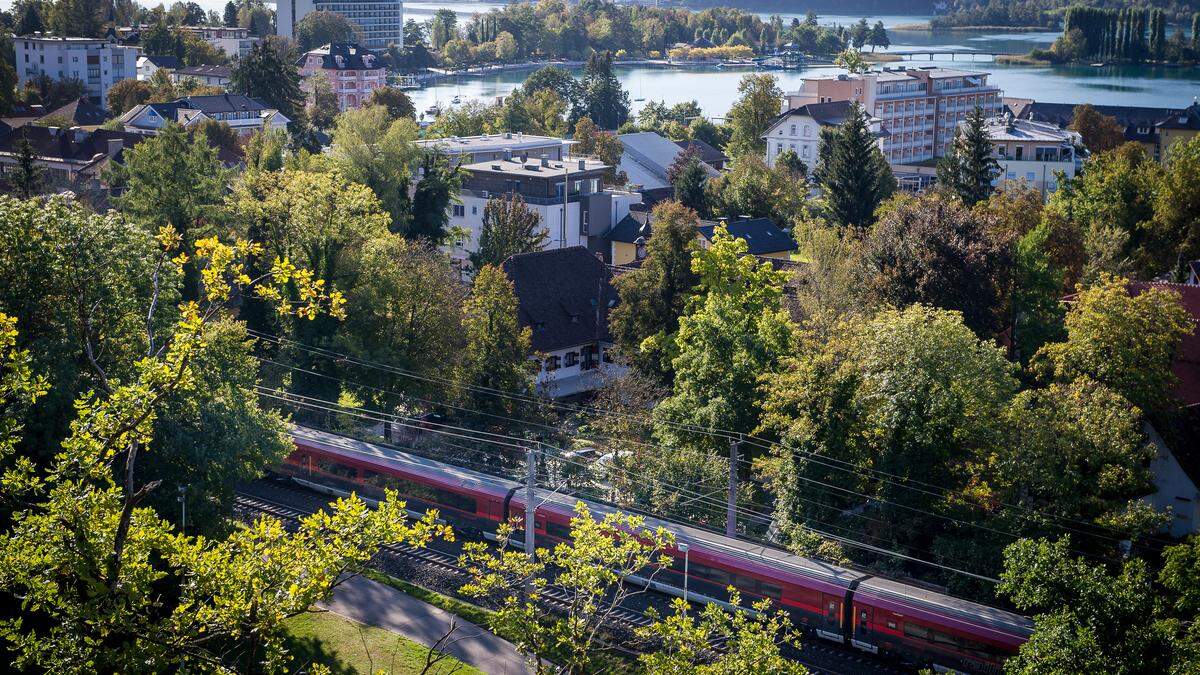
point(869, 613)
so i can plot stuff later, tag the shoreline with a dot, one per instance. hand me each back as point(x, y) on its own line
point(925, 26)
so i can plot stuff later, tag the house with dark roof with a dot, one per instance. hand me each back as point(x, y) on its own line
point(209, 76)
point(764, 239)
point(564, 297)
point(71, 159)
point(799, 130)
point(244, 114)
point(706, 153)
point(1156, 129)
point(148, 64)
point(353, 70)
point(81, 113)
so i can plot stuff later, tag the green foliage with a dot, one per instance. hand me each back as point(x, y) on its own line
point(375, 149)
point(1125, 342)
point(264, 150)
point(689, 183)
point(854, 175)
point(229, 19)
point(324, 107)
point(852, 61)
point(26, 176)
point(1101, 133)
point(751, 188)
point(126, 94)
point(971, 166)
point(436, 190)
point(656, 294)
point(1174, 232)
point(734, 332)
point(76, 18)
point(603, 99)
point(509, 228)
point(935, 251)
point(397, 103)
point(266, 73)
point(589, 569)
point(752, 113)
point(323, 27)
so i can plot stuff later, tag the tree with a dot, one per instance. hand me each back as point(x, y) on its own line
point(218, 135)
point(264, 150)
point(604, 100)
point(1124, 341)
point(497, 350)
point(971, 166)
point(200, 52)
point(1101, 133)
point(76, 18)
point(8, 86)
point(126, 94)
point(324, 107)
point(31, 20)
point(159, 40)
point(878, 37)
point(397, 103)
point(931, 250)
point(751, 188)
point(1173, 234)
point(790, 162)
point(655, 295)
point(859, 33)
point(734, 331)
point(112, 586)
point(372, 148)
point(1086, 618)
point(405, 311)
point(852, 61)
point(509, 228)
point(853, 173)
point(751, 642)
point(752, 113)
point(443, 28)
point(589, 568)
point(436, 190)
point(605, 146)
point(323, 27)
point(561, 83)
point(687, 176)
point(910, 392)
point(26, 176)
point(268, 76)
point(230, 17)
point(172, 180)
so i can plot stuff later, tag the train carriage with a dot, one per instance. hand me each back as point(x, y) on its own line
point(872, 614)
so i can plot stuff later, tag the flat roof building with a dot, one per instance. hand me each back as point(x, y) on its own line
point(97, 62)
point(472, 149)
point(381, 22)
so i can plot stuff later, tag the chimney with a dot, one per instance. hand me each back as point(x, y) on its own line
point(582, 164)
point(115, 145)
point(508, 154)
point(545, 160)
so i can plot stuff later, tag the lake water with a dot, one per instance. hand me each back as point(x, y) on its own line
point(715, 89)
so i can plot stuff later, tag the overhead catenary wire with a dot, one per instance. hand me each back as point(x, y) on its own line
point(749, 514)
point(1049, 519)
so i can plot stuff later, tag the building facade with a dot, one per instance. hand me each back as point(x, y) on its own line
point(99, 63)
point(764, 239)
point(1034, 153)
point(243, 114)
point(236, 42)
point(209, 76)
point(1155, 129)
point(920, 108)
point(799, 130)
point(71, 159)
point(568, 196)
point(488, 147)
point(353, 72)
point(380, 21)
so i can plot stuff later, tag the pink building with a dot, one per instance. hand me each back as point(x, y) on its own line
point(919, 107)
point(353, 71)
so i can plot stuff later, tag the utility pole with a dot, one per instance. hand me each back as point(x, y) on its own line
point(731, 505)
point(530, 506)
point(182, 508)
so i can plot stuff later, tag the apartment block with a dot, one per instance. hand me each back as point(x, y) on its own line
point(1034, 153)
point(98, 62)
point(919, 108)
point(381, 21)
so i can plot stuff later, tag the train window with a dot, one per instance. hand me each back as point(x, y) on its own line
point(710, 573)
point(455, 500)
point(557, 530)
point(862, 616)
point(335, 469)
point(770, 591)
point(914, 630)
point(891, 624)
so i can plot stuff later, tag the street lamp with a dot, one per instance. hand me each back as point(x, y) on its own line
point(684, 548)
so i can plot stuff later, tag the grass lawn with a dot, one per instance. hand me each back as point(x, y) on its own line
point(348, 647)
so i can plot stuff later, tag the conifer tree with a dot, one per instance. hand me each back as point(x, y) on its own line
point(231, 15)
point(970, 168)
point(854, 175)
point(688, 182)
point(26, 177)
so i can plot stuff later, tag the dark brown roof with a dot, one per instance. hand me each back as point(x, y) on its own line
point(563, 295)
point(82, 112)
point(707, 153)
point(344, 56)
point(66, 144)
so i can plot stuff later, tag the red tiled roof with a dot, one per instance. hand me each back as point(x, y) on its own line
point(1187, 364)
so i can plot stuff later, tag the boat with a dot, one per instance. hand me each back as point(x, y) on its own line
point(433, 110)
point(457, 99)
point(638, 100)
point(1099, 64)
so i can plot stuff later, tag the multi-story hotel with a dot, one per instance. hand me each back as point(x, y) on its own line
point(381, 21)
point(919, 108)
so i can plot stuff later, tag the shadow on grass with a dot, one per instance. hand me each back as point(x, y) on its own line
point(307, 651)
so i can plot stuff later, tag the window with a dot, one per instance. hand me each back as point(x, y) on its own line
point(474, 210)
point(807, 130)
point(572, 359)
point(1011, 175)
point(459, 211)
point(804, 151)
point(778, 148)
point(1030, 176)
point(553, 363)
point(891, 624)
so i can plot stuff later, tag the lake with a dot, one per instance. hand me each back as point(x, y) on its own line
point(715, 89)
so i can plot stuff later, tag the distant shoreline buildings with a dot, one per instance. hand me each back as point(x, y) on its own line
point(380, 21)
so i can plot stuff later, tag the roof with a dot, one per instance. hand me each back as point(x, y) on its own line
point(1187, 362)
point(563, 295)
point(647, 156)
point(536, 168)
point(829, 114)
point(205, 71)
point(628, 229)
point(707, 153)
point(455, 145)
point(344, 56)
point(762, 235)
point(1027, 130)
point(82, 112)
point(1134, 119)
point(218, 103)
point(162, 61)
point(1188, 119)
point(940, 73)
point(68, 145)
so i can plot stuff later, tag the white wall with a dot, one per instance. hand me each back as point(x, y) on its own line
point(60, 59)
point(1038, 175)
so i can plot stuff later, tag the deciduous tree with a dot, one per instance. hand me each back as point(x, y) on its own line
point(752, 113)
point(372, 148)
point(323, 27)
point(436, 190)
point(397, 103)
point(496, 357)
point(1101, 133)
point(509, 228)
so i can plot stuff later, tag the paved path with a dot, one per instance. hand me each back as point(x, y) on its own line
point(373, 603)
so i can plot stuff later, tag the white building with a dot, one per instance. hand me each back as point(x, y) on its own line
point(799, 130)
point(148, 65)
point(1033, 152)
point(99, 63)
point(381, 21)
point(647, 156)
point(209, 76)
point(354, 72)
point(244, 114)
point(473, 149)
point(235, 42)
